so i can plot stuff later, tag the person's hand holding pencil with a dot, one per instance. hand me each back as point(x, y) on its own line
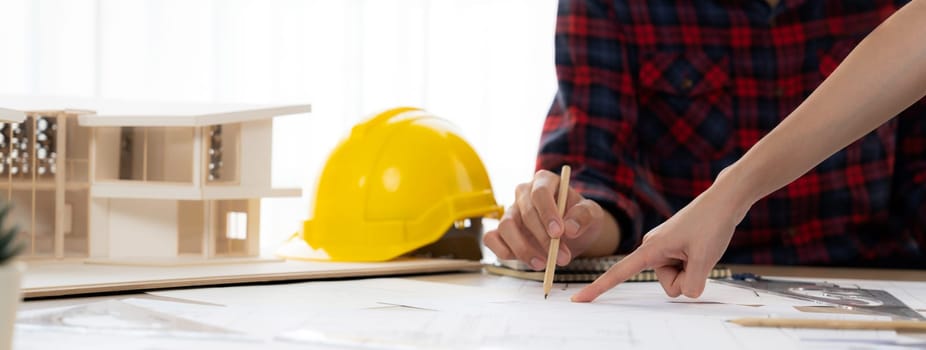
point(526, 229)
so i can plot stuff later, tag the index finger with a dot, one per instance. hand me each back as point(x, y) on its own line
point(543, 197)
point(617, 274)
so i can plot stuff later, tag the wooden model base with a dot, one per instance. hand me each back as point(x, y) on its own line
point(49, 279)
point(182, 261)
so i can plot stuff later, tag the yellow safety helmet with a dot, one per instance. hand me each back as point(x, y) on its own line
point(397, 183)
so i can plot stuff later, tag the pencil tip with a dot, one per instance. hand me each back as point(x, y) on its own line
point(545, 296)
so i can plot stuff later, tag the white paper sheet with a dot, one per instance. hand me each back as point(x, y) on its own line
point(507, 313)
point(510, 313)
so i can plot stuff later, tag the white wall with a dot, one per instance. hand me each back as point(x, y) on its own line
point(486, 65)
point(256, 144)
point(142, 228)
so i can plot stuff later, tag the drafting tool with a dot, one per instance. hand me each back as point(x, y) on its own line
point(909, 326)
point(872, 301)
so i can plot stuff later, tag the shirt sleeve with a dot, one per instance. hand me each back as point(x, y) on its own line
point(590, 124)
point(910, 175)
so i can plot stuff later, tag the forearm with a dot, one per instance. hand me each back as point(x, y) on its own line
point(882, 76)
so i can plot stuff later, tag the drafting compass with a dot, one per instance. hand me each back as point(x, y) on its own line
point(873, 301)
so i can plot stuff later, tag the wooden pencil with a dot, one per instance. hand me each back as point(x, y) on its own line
point(909, 326)
point(554, 242)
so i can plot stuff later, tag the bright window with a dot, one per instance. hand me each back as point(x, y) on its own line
point(236, 225)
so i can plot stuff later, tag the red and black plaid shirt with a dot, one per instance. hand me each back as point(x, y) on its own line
point(656, 97)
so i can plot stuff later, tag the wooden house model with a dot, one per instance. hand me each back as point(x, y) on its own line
point(120, 182)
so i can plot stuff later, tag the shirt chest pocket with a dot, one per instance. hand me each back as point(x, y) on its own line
point(686, 109)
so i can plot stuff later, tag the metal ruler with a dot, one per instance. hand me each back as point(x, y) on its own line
point(872, 301)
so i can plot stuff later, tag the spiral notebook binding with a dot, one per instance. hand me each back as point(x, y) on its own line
point(585, 270)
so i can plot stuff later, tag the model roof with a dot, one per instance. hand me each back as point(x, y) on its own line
point(10, 115)
point(103, 112)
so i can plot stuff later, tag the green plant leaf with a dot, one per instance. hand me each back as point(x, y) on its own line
point(10, 246)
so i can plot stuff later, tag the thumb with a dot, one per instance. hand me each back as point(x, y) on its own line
point(695, 277)
point(580, 217)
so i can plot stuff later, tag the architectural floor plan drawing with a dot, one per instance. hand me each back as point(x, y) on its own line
point(408, 313)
